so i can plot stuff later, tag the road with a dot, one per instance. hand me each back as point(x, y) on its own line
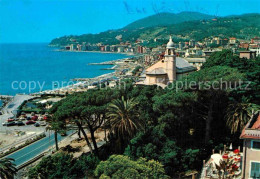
point(31, 151)
point(12, 106)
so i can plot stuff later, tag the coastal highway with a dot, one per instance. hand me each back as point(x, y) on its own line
point(25, 154)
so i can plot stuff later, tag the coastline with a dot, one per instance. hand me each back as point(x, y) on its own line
point(124, 53)
point(83, 84)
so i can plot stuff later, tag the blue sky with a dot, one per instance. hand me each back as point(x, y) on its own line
point(42, 20)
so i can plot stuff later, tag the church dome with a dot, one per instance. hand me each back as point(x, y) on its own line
point(170, 44)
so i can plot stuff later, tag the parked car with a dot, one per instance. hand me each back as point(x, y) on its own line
point(21, 118)
point(4, 123)
point(30, 122)
point(10, 119)
point(12, 123)
point(20, 123)
point(43, 123)
point(37, 124)
point(35, 118)
point(28, 118)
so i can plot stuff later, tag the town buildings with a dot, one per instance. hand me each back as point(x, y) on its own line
point(247, 54)
point(195, 52)
point(251, 148)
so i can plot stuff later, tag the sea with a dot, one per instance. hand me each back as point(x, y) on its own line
point(33, 67)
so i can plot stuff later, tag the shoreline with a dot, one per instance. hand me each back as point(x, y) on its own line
point(124, 53)
point(81, 83)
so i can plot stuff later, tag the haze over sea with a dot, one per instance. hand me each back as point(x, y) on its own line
point(20, 63)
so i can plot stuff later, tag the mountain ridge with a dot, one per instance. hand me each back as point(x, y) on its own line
point(241, 26)
point(166, 18)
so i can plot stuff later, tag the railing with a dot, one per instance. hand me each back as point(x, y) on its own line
point(30, 161)
point(19, 142)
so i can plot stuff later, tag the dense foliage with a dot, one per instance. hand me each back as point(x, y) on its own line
point(120, 166)
point(164, 19)
point(7, 168)
point(63, 165)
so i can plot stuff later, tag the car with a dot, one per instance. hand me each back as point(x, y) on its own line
point(12, 123)
point(37, 124)
point(63, 134)
point(4, 123)
point(43, 123)
point(21, 118)
point(20, 123)
point(30, 122)
point(10, 119)
point(28, 118)
point(40, 118)
point(35, 118)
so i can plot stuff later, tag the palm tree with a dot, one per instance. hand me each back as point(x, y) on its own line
point(7, 168)
point(123, 118)
point(239, 113)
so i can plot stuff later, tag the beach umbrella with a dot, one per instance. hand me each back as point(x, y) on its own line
point(215, 159)
point(230, 147)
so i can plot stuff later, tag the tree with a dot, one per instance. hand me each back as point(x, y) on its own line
point(123, 118)
point(58, 126)
point(143, 96)
point(62, 165)
point(86, 164)
point(211, 84)
point(154, 144)
point(239, 113)
point(85, 110)
point(249, 67)
point(120, 166)
point(7, 168)
point(53, 166)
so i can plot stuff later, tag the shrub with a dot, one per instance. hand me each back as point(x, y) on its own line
point(120, 166)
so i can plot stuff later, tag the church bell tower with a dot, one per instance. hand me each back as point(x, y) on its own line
point(170, 61)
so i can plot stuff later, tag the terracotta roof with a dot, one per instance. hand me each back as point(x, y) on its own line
point(252, 129)
point(256, 125)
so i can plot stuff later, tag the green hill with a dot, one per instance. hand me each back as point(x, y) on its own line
point(164, 19)
point(242, 26)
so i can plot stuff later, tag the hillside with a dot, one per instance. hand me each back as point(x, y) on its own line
point(165, 19)
point(243, 27)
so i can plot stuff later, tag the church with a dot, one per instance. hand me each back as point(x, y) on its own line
point(167, 70)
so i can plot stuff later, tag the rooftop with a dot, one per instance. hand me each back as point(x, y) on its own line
point(157, 71)
point(252, 129)
point(183, 65)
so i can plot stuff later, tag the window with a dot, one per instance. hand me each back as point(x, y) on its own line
point(255, 170)
point(255, 145)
